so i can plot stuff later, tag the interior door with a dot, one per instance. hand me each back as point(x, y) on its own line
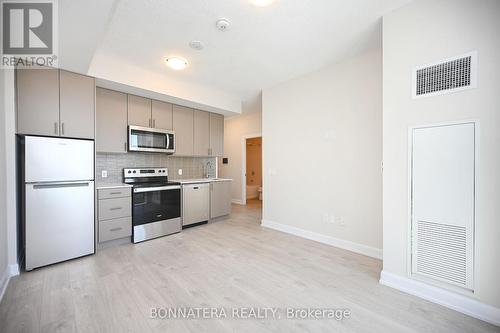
point(443, 185)
point(59, 222)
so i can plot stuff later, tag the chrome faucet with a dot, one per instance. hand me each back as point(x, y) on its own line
point(208, 166)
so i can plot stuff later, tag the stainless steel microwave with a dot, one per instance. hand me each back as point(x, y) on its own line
point(151, 140)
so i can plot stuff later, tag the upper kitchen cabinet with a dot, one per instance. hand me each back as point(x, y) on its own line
point(182, 121)
point(161, 114)
point(55, 103)
point(201, 133)
point(37, 101)
point(111, 111)
point(216, 134)
point(77, 105)
point(139, 111)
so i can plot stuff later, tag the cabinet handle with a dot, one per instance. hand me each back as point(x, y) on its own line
point(125, 147)
point(62, 128)
point(115, 229)
point(114, 193)
point(154, 122)
point(115, 208)
point(149, 122)
point(55, 128)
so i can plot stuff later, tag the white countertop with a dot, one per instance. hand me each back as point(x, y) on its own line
point(201, 180)
point(117, 185)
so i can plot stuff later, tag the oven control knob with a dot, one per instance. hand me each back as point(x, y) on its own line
point(129, 171)
point(134, 171)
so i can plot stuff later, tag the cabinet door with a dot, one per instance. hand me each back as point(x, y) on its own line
point(37, 101)
point(201, 133)
point(162, 114)
point(183, 128)
point(139, 111)
point(220, 199)
point(111, 112)
point(77, 105)
point(216, 134)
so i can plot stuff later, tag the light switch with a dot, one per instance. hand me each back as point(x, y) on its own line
point(104, 173)
point(180, 172)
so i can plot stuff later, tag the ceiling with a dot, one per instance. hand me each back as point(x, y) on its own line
point(128, 41)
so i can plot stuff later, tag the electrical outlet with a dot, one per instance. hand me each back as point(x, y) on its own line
point(104, 173)
point(180, 172)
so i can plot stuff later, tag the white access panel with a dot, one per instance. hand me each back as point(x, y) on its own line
point(443, 202)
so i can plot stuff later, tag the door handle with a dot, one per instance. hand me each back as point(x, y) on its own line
point(59, 185)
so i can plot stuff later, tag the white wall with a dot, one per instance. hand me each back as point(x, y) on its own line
point(3, 189)
point(8, 139)
point(235, 128)
point(421, 33)
point(322, 152)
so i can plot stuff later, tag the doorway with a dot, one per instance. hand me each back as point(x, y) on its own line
point(252, 171)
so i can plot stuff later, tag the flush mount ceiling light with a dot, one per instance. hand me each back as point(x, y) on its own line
point(262, 3)
point(177, 63)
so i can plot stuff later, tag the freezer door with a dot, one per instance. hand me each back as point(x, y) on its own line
point(59, 222)
point(55, 159)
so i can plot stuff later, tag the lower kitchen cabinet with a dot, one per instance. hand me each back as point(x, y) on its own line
point(114, 213)
point(220, 199)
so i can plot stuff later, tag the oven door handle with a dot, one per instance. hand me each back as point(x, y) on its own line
point(158, 188)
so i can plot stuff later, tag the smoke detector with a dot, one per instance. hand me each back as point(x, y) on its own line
point(196, 44)
point(223, 24)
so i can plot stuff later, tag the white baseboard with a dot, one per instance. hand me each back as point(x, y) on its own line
point(14, 270)
point(10, 271)
point(238, 202)
point(337, 242)
point(449, 299)
point(4, 281)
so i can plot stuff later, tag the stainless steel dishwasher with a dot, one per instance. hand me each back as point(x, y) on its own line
point(195, 203)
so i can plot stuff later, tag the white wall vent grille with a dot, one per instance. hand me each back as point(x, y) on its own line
point(442, 252)
point(450, 75)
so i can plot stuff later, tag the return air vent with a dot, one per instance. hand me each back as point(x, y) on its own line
point(450, 75)
point(442, 252)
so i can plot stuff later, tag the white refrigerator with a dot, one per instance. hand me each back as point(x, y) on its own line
point(58, 199)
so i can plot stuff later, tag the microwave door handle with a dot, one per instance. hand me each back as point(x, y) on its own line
point(168, 141)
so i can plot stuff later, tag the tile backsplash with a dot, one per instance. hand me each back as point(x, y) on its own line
point(192, 167)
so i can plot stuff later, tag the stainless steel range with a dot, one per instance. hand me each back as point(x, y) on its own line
point(156, 203)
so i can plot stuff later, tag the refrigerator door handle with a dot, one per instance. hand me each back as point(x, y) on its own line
point(60, 184)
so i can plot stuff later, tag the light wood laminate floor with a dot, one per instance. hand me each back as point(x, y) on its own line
point(233, 263)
